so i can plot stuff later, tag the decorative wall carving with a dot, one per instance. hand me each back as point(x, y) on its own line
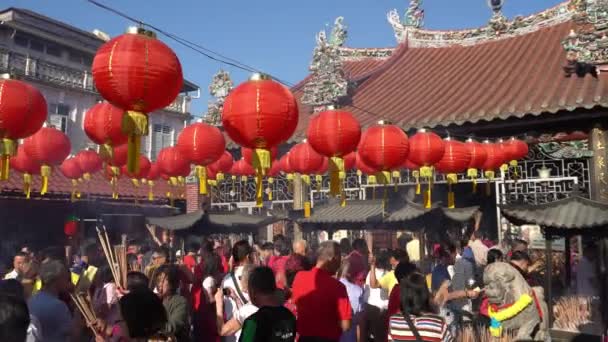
point(588, 43)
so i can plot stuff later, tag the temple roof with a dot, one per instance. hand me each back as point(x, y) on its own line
point(98, 186)
point(573, 214)
point(209, 222)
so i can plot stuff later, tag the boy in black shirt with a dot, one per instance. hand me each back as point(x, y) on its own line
point(272, 322)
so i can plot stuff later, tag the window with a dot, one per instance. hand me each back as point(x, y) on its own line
point(53, 50)
point(59, 116)
point(162, 136)
point(36, 45)
point(21, 40)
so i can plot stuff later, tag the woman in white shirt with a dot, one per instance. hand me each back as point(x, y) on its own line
point(376, 299)
point(243, 310)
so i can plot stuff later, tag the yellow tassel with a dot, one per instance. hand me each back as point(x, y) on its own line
point(427, 197)
point(201, 173)
point(289, 176)
point(306, 179)
point(269, 193)
point(27, 185)
point(452, 178)
point(307, 209)
point(244, 178)
point(416, 175)
point(135, 125)
point(396, 176)
point(135, 182)
point(87, 177)
point(343, 199)
point(426, 172)
point(150, 190)
point(336, 174)
point(74, 190)
point(219, 177)
point(8, 148)
point(45, 172)
point(371, 179)
point(233, 177)
point(106, 152)
point(490, 176)
point(259, 190)
point(473, 174)
point(383, 177)
point(359, 173)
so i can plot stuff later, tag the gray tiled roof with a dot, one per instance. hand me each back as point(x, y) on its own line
point(358, 211)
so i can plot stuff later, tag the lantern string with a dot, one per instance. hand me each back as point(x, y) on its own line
point(218, 57)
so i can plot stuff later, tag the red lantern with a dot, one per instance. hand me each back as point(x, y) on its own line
point(478, 159)
point(49, 147)
point(426, 149)
point(243, 169)
point(409, 165)
point(70, 227)
point(26, 165)
point(494, 159)
point(144, 168)
point(345, 134)
point(71, 170)
point(324, 167)
point(285, 164)
point(516, 150)
point(456, 159)
point(275, 170)
point(384, 147)
point(119, 155)
point(202, 144)
point(89, 162)
point(102, 124)
point(260, 114)
point(172, 162)
point(222, 166)
point(139, 74)
point(22, 113)
point(304, 159)
point(363, 168)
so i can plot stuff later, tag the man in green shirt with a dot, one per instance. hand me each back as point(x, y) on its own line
point(272, 322)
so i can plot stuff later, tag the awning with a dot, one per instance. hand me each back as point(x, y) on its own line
point(201, 222)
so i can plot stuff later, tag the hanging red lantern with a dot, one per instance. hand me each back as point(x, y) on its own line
point(70, 227)
point(222, 166)
point(171, 161)
point(349, 161)
point(285, 164)
point(152, 175)
point(27, 166)
point(410, 165)
point(144, 168)
point(243, 169)
point(139, 74)
point(119, 156)
point(49, 146)
point(478, 159)
point(90, 162)
point(102, 124)
point(494, 160)
point(202, 144)
point(516, 150)
point(384, 146)
point(304, 159)
point(456, 159)
point(275, 170)
point(365, 169)
point(260, 114)
point(426, 149)
point(23, 111)
point(344, 138)
point(70, 168)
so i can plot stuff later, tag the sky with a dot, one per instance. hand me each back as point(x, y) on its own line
point(276, 36)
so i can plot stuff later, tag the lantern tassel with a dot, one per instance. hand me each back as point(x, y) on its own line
point(490, 176)
point(86, 176)
point(27, 185)
point(427, 197)
point(150, 190)
point(259, 191)
point(201, 173)
point(4, 167)
point(343, 198)
point(135, 125)
point(106, 152)
point(416, 175)
point(74, 190)
point(270, 182)
point(473, 174)
point(8, 148)
point(513, 164)
point(306, 179)
point(452, 179)
point(45, 172)
point(307, 209)
point(336, 174)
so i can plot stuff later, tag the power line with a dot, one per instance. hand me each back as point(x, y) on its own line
point(220, 58)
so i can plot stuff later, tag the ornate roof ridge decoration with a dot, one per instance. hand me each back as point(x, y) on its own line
point(328, 83)
point(587, 45)
point(357, 54)
point(221, 84)
point(413, 18)
point(498, 27)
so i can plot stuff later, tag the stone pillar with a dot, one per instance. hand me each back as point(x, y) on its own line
point(598, 167)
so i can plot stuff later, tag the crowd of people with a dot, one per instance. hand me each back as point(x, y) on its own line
point(274, 291)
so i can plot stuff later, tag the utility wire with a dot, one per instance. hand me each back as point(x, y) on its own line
point(220, 58)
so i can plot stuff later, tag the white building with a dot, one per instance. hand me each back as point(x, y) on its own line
point(57, 58)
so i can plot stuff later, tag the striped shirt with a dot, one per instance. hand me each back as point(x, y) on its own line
point(432, 328)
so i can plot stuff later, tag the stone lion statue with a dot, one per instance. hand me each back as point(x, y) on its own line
point(505, 287)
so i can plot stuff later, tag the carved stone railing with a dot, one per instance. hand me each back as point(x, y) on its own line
point(40, 70)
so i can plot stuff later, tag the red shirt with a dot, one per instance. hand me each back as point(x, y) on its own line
point(394, 301)
point(322, 303)
point(277, 264)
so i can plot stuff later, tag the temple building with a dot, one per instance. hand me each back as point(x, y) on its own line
point(538, 77)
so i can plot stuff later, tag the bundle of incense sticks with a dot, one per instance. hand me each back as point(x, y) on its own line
point(482, 334)
point(572, 312)
point(86, 309)
point(116, 256)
